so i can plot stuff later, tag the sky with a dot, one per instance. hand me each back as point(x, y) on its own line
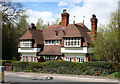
point(49, 11)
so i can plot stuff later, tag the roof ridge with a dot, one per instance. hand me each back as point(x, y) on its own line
point(53, 25)
point(35, 29)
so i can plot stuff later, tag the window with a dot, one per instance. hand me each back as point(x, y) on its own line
point(25, 43)
point(24, 58)
point(82, 60)
point(33, 59)
point(72, 42)
point(52, 42)
point(78, 59)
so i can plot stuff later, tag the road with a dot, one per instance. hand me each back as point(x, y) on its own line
point(25, 77)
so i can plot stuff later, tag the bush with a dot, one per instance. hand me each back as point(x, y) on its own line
point(65, 67)
point(116, 75)
point(2, 62)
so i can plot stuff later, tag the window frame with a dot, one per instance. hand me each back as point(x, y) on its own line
point(52, 42)
point(72, 42)
point(26, 43)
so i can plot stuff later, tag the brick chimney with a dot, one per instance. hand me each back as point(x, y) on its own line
point(32, 26)
point(94, 21)
point(65, 18)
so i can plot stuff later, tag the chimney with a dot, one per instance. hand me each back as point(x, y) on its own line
point(32, 26)
point(94, 21)
point(65, 18)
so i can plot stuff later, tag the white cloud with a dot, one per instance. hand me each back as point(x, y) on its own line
point(101, 9)
point(34, 15)
point(62, 3)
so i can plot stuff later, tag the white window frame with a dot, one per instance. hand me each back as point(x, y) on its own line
point(52, 42)
point(78, 59)
point(69, 41)
point(26, 43)
point(25, 58)
point(32, 60)
point(82, 59)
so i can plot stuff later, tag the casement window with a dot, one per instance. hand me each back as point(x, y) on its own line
point(52, 42)
point(25, 43)
point(33, 59)
point(69, 59)
point(72, 42)
point(78, 60)
point(25, 58)
point(82, 60)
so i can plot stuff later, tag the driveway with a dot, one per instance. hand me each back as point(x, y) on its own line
point(24, 77)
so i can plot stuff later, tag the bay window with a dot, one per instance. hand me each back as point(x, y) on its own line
point(25, 43)
point(72, 42)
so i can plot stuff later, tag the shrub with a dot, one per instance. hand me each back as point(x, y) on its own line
point(2, 62)
point(116, 75)
point(65, 67)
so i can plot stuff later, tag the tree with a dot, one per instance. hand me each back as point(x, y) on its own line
point(106, 43)
point(22, 26)
point(40, 25)
point(11, 14)
point(56, 22)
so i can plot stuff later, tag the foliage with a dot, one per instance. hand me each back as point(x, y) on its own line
point(2, 62)
point(65, 67)
point(22, 26)
point(11, 11)
point(116, 75)
point(56, 22)
point(13, 27)
point(106, 43)
point(40, 24)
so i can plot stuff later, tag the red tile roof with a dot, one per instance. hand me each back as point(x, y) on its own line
point(51, 50)
point(49, 33)
point(72, 30)
point(37, 35)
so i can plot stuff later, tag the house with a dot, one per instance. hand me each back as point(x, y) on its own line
point(69, 42)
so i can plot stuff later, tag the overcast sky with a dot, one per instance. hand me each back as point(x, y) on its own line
point(51, 10)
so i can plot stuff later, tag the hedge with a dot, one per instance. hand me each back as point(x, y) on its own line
point(65, 67)
point(2, 62)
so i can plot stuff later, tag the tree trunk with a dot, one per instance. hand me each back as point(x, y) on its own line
point(113, 58)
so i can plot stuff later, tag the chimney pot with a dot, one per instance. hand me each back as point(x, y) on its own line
point(65, 18)
point(94, 21)
point(32, 26)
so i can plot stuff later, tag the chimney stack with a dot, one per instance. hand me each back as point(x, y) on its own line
point(94, 21)
point(65, 18)
point(32, 26)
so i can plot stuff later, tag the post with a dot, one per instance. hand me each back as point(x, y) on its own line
point(2, 74)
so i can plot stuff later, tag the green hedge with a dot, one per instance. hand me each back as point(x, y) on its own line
point(65, 67)
point(2, 62)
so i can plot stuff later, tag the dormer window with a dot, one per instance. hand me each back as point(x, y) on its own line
point(56, 32)
point(52, 42)
point(72, 42)
point(25, 43)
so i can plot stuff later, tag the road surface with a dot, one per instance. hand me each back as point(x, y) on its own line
point(31, 78)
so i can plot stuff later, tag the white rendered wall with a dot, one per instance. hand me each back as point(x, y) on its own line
point(76, 50)
point(29, 50)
